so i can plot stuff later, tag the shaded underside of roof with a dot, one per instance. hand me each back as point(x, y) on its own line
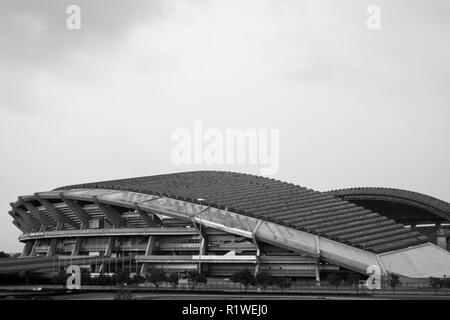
point(276, 201)
point(371, 195)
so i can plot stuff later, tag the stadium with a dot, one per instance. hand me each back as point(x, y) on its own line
point(218, 223)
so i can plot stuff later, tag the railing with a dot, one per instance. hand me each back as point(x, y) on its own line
point(302, 288)
point(236, 288)
point(56, 263)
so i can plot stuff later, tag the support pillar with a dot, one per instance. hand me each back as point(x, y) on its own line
point(317, 268)
point(78, 241)
point(53, 242)
point(108, 251)
point(258, 254)
point(203, 244)
point(76, 247)
point(148, 252)
point(34, 248)
point(258, 249)
point(27, 249)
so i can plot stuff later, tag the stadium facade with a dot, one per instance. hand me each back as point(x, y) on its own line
point(222, 222)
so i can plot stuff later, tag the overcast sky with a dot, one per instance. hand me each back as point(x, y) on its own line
point(355, 107)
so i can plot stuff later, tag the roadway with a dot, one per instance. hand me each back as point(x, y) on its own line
point(169, 296)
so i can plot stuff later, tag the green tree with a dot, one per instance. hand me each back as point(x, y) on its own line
point(85, 277)
point(156, 277)
point(60, 278)
point(284, 283)
point(172, 278)
point(244, 277)
point(353, 279)
point(195, 278)
point(138, 279)
point(394, 281)
point(106, 280)
point(264, 280)
point(335, 280)
point(103, 280)
point(445, 283)
point(436, 283)
point(121, 278)
point(4, 255)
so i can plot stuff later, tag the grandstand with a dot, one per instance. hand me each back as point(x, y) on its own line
point(221, 222)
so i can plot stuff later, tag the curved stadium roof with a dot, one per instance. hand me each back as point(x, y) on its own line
point(275, 201)
point(397, 200)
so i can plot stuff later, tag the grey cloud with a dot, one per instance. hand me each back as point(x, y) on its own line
point(34, 40)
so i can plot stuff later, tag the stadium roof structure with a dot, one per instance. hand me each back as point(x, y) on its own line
point(318, 224)
point(401, 205)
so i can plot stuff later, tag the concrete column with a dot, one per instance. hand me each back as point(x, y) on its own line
point(27, 249)
point(203, 243)
point(258, 254)
point(317, 268)
point(108, 251)
point(51, 248)
point(258, 250)
point(148, 252)
point(34, 247)
point(53, 242)
point(76, 247)
point(110, 246)
point(202, 252)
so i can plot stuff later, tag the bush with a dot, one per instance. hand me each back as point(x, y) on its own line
point(244, 277)
point(85, 277)
point(353, 278)
point(264, 280)
point(394, 280)
point(60, 278)
point(138, 279)
point(195, 278)
point(335, 280)
point(156, 277)
point(284, 283)
point(172, 278)
point(439, 283)
point(105, 280)
point(436, 283)
point(121, 278)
